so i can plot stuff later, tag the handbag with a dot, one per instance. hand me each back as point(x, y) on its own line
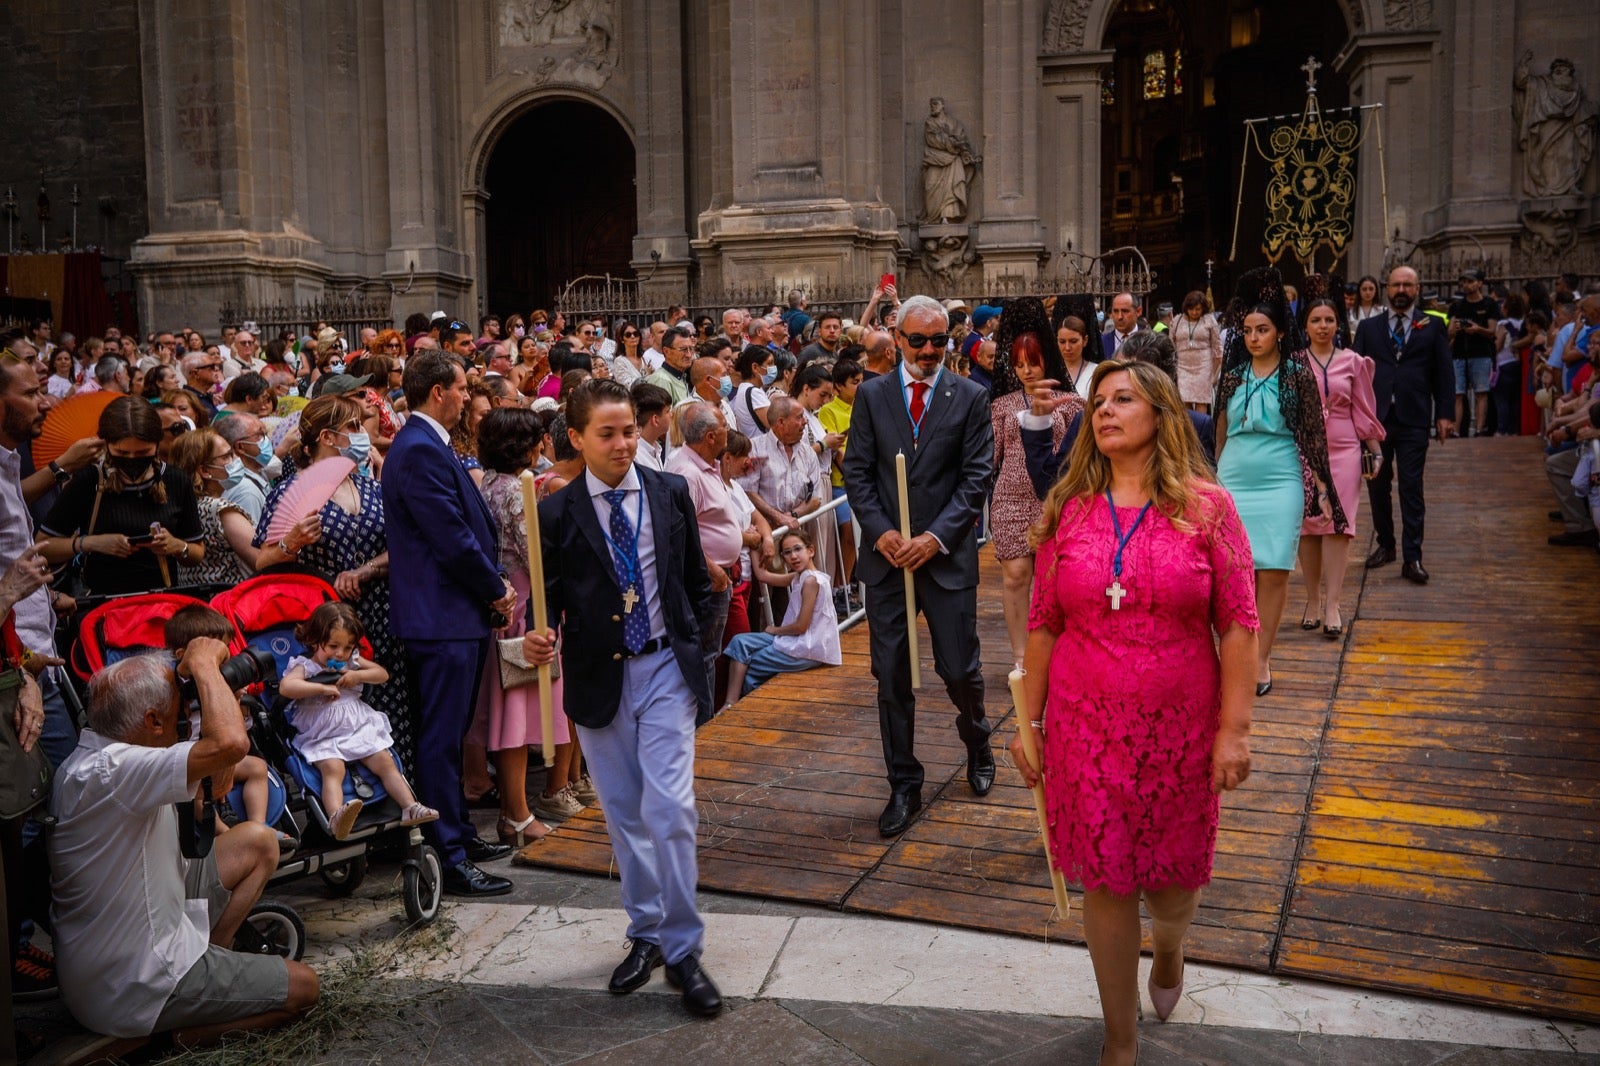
point(514, 669)
point(71, 580)
point(24, 775)
point(1371, 463)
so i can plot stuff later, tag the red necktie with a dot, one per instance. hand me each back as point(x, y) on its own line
point(919, 399)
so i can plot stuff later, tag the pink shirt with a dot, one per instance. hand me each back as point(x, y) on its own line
point(721, 535)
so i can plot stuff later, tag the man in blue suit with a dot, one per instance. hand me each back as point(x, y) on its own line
point(625, 578)
point(1413, 381)
point(445, 587)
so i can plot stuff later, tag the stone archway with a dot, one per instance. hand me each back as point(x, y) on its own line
point(559, 202)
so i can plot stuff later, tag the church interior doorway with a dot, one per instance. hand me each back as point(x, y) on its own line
point(1174, 104)
point(561, 204)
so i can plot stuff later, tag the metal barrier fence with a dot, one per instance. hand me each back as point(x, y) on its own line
point(349, 317)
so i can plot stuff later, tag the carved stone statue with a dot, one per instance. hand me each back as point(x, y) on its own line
point(1555, 128)
point(559, 40)
point(947, 166)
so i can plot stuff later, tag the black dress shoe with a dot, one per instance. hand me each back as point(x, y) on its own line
point(481, 850)
point(1380, 556)
point(634, 970)
point(1582, 538)
point(980, 768)
point(903, 806)
point(1413, 571)
point(465, 879)
point(700, 995)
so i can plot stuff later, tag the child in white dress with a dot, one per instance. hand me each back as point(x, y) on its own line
point(334, 725)
point(809, 635)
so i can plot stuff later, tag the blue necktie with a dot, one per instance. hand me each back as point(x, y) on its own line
point(630, 574)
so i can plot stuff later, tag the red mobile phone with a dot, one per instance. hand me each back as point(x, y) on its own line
point(885, 280)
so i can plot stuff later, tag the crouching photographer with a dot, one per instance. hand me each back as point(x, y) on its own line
point(141, 932)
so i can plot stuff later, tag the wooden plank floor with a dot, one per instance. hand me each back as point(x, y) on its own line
point(1419, 817)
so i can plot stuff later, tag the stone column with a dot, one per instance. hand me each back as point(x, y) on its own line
point(1069, 139)
point(661, 247)
point(223, 161)
point(1009, 237)
point(1397, 71)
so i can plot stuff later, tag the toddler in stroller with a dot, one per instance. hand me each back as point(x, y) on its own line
point(334, 725)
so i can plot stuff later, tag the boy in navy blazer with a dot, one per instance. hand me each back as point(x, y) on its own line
point(624, 575)
point(444, 586)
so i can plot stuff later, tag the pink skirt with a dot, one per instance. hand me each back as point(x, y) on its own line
point(511, 719)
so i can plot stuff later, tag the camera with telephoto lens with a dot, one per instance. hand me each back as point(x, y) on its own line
point(246, 668)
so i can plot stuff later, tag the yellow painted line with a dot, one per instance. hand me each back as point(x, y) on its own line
point(1409, 813)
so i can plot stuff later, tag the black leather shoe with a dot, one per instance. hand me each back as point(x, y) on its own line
point(634, 972)
point(980, 768)
point(481, 850)
point(466, 879)
point(1380, 556)
point(903, 806)
point(1413, 571)
point(700, 995)
point(1583, 538)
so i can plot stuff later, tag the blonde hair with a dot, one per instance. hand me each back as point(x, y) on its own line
point(1176, 477)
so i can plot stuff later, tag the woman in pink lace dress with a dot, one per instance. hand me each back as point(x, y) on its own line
point(1026, 353)
point(1141, 558)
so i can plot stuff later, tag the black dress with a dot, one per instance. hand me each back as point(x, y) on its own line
point(129, 512)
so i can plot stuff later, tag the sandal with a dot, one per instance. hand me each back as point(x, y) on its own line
point(416, 814)
point(516, 833)
point(343, 819)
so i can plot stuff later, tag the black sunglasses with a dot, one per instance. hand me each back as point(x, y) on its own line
point(177, 429)
point(918, 341)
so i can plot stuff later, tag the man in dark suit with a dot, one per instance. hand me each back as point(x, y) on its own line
point(446, 585)
point(1414, 383)
point(942, 424)
point(625, 578)
point(1124, 323)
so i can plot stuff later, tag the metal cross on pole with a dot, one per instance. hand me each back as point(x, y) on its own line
point(1311, 66)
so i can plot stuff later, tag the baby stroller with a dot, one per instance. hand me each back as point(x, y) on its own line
point(133, 625)
point(266, 610)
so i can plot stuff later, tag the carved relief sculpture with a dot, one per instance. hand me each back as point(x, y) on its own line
point(559, 40)
point(1407, 14)
point(947, 166)
point(1555, 128)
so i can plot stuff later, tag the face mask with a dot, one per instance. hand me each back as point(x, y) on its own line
point(234, 474)
point(273, 470)
point(134, 468)
point(336, 367)
point(264, 451)
point(356, 451)
point(518, 332)
point(292, 358)
point(770, 376)
point(337, 664)
point(725, 388)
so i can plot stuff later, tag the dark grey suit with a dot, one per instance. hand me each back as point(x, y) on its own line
point(949, 472)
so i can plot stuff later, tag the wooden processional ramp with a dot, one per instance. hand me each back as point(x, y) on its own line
point(1421, 816)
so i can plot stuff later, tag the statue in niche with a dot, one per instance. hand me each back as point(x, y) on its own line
point(1555, 127)
point(559, 40)
point(948, 164)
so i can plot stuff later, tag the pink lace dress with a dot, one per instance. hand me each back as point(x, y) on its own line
point(1133, 704)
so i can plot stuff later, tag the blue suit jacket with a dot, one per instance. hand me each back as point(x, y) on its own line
point(444, 567)
point(584, 598)
point(1417, 383)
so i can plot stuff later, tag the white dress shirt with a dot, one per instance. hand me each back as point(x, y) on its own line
point(637, 509)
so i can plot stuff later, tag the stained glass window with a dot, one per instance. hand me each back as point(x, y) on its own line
point(1155, 75)
point(1108, 89)
point(1177, 72)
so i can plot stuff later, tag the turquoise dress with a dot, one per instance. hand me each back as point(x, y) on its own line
point(1260, 468)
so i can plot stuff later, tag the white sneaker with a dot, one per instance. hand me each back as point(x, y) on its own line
point(557, 808)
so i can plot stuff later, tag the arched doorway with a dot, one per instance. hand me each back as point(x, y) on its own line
point(561, 203)
point(1175, 101)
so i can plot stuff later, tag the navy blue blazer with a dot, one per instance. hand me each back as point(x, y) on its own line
point(584, 598)
point(444, 567)
point(1417, 383)
point(949, 472)
point(1046, 462)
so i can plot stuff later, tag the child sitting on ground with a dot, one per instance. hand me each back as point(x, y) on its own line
point(333, 725)
point(1586, 478)
point(809, 635)
point(201, 621)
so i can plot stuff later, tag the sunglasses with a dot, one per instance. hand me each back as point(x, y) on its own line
point(177, 429)
point(210, 366)
point(630, 333)
point(918, 341)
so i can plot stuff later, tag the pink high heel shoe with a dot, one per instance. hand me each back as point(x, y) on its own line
point(1164, 999)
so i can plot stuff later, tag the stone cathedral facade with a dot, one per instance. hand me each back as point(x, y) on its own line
point(483, 152)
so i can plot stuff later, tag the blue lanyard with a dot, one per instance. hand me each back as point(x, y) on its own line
point(1327, 388)
point(1399, 339)
point(1252, 391)
point(1116, 525)
point(916, 423)
point(629, 560)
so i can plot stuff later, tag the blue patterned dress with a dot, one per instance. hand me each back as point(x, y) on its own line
point(349, 541)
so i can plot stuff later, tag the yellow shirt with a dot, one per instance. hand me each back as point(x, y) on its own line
point(835, 418)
